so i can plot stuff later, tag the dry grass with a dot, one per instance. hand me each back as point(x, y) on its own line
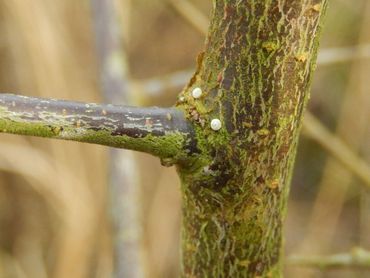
point(48, 52)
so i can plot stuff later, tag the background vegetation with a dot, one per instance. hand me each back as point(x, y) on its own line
point(54, 208)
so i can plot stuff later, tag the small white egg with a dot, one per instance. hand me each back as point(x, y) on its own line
point(216, 124)
point(197, 92)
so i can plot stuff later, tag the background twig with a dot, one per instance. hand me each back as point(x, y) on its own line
point(123, 178)
point(356, 258)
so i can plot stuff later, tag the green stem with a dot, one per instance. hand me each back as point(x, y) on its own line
point(163, 132)
point(357, 258)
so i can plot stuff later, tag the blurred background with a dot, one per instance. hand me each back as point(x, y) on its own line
point(55, 205)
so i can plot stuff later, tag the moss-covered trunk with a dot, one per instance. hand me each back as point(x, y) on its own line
point(255, 74)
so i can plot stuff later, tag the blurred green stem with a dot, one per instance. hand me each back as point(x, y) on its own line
point(356, 258)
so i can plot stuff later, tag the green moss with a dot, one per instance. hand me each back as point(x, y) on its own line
point(24, 129)
point(254, 81)
point(270, 46)
point(170, 147)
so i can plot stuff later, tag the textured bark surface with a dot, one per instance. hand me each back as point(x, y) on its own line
point(163, 132)
point(255, 75)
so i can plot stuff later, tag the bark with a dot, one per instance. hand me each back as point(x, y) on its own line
point(255, 74)
point(163, 132)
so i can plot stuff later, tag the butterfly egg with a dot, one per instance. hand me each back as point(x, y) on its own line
point(197, 92)
point(216, 124)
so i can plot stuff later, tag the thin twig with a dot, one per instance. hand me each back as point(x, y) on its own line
point(123, 182)
point(330, 56)
point(195, 17)
point(313, 129)
point(155, 86)
point(112, 59)
point(357, 258)
point(142, 129)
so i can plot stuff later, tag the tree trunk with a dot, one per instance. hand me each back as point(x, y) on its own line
point(255, 75)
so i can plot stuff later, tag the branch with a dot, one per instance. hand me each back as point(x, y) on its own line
point(313, 129)
point(109, 46)
point(163, 132)
point(116, 88)
point(195, 17)
point(157, 85)
point(356, 258)
point(337, 55)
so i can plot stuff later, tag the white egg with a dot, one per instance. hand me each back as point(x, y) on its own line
point(197, 92)
point(216, 124)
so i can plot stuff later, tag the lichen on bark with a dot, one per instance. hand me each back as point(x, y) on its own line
point(255, 74)
point(162, 132)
